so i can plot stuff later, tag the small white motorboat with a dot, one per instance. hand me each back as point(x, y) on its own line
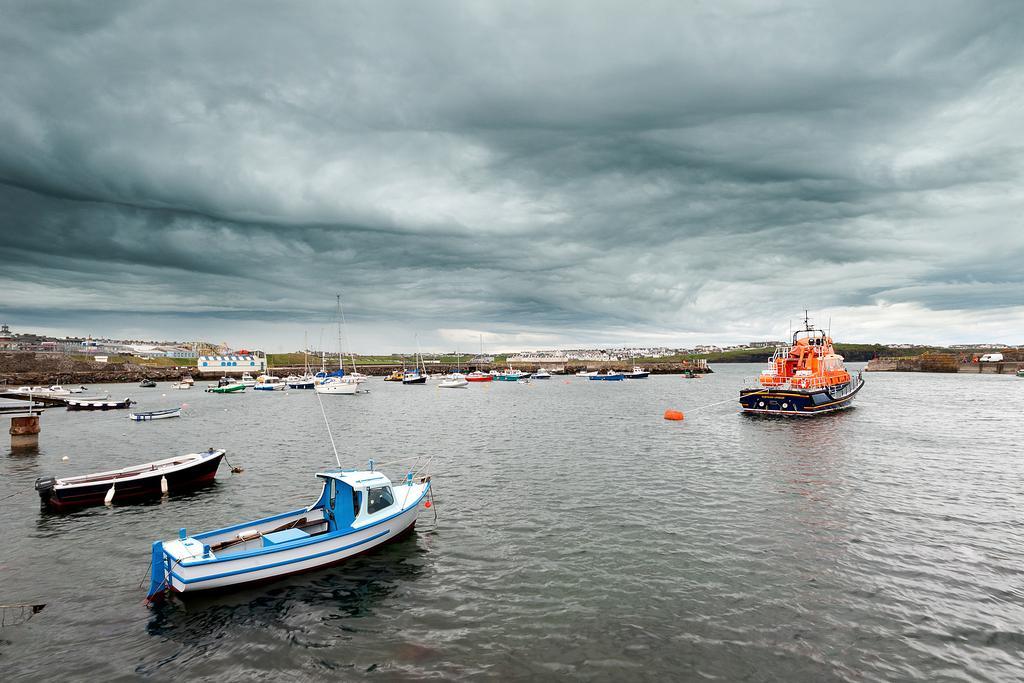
point(181, 385)
point(269, 383)
point(356, 512)
point(247, 380)
point(542, 374)
point(455, 380)
point(587, 373)
point(55, 390)
point(155, 415)
point(338, 385)
point(636, 373)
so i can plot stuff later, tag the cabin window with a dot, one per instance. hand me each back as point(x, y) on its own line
point(356, 500)
point(334, 494)
point(379, 498)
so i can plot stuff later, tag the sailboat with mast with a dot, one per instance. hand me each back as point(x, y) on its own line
point(416, 376)
point(337, 382)
point(306, 381)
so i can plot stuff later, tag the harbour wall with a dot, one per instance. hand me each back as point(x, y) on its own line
point(948, 363)
point(44, 369)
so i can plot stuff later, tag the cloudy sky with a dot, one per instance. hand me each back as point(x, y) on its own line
point(542, 174)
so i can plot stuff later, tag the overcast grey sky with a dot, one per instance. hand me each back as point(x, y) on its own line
point(545, 174)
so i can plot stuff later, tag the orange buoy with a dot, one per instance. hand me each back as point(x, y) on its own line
point(427, 504)
point(673, 415)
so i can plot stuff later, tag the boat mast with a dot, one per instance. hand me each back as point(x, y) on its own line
point(344, 323)
point(340, 367)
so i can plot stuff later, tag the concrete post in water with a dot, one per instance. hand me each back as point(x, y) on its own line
point(24, 431)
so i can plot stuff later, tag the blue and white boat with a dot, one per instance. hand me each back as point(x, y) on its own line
point(608, 376)
point(356, 511)
point(306, 381)
point(269, 383)
point(637, 373)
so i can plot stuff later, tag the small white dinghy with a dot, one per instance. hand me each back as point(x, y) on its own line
point(155, 415)
point(356, 511)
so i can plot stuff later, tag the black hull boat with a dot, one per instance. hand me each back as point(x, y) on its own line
point(804, 402)
point(98, 404)
point(419, 379)
point(130, 484)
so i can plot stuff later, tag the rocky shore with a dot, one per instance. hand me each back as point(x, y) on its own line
point(20, 369)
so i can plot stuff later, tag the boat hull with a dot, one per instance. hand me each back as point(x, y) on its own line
point(487, 378)
point(230, 389)
point(342, 388)
point(135, 489)
point(99, 405)
point(155, 415)
point(803, 403)
point(228, 572)
point(415, 380)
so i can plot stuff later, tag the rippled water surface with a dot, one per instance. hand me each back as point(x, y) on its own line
point(578, 534)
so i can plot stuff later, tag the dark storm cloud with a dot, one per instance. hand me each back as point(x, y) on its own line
point(585, 170)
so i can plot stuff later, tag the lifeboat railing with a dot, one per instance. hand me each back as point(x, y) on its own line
point(802, 383)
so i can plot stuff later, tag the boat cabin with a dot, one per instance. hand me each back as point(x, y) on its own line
point(352, 498)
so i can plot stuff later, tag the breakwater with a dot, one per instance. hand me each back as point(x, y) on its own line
point(942, 362)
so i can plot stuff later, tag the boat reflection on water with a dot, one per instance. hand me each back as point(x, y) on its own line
point(315, 607)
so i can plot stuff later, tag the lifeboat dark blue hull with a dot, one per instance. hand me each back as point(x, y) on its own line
point(802, 402)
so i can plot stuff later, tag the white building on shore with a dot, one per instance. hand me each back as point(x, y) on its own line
point(253, 362)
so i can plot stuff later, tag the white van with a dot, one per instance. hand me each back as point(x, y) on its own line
point(991, 358)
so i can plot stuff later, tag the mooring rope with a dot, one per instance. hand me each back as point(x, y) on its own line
point(728, 400)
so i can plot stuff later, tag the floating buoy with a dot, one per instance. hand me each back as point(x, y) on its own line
point(673, 415)
point(163, 485)
point(427, 504)
point(109, 498)
point(163, 395)
point(65, 459)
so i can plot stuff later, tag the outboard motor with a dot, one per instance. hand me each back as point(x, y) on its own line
point(45, 485)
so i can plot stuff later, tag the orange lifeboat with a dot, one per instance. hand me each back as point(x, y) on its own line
point(805, 378)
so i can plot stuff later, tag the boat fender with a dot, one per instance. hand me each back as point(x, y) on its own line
point(109, 498)
point(163, 485)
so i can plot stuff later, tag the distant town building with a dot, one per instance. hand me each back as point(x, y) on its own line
point(254, 362)
point(764, 344)
point(7, 342)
